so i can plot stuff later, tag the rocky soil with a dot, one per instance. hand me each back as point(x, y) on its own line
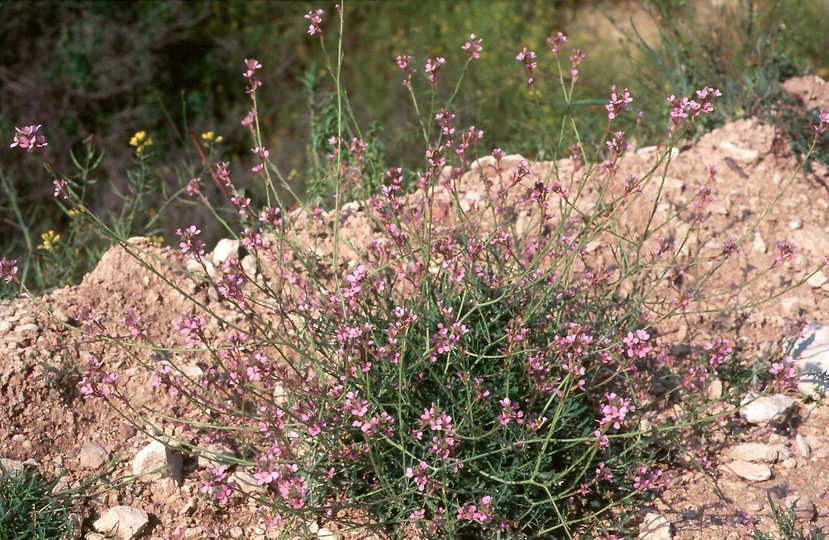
point(781, 450)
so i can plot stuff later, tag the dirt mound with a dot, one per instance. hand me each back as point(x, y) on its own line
point(48, 421)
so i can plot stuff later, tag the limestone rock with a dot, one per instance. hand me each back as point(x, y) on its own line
point(772, 410)
point(246, 483)
point(818, 280)
point(802, 446)
point(753, 472)
point(123, 522)
point(225, 249)
point(92, 455)
point(326, 534)
point(811, 355)
point(655, 527)
point(10, 466)
point(754, 452)
point(155, 461)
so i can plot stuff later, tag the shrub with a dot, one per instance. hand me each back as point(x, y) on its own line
point(470, 371)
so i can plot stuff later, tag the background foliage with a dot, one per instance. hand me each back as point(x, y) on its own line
point(95, 73)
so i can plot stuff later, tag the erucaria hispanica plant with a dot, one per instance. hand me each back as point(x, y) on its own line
point(472, 370)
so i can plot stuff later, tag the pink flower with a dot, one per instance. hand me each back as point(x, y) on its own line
point(555, 42)
point(252, 65)
point(28, 139)
point(192, 188)
point(432, 67)
point(473, 46)
point(637, 344)
point(8, 270)
point(618, 102)
point(824, 122)
point(527, 57)
point(189, 245)
point(60, 185)
point(575, 60)
point(315, 16)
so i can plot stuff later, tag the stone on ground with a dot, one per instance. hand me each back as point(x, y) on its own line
point(122, 522)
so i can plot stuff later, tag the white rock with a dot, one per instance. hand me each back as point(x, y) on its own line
point(11, 466)
point(753, 472)
point(772, 410)
point(758, 244)
point(655, 527)
point(714, 391)
point(123, 522)
point(225, 249)
point(92, 455)
point(26, 328)
point(811, 355)
point(753, 452)
point(250, 265)
point(94, 536)
point(246, 483)
point(817, 280)
point(326, 534)
point(155, 461)
point(796, 224)
point(803, 446)
point(5, 326)
point(783, 452)
point(195, 267)
point(236, 532)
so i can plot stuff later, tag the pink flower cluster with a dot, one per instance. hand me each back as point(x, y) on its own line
point(683, 108)
point(27, 138)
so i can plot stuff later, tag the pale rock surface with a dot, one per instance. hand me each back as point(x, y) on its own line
point(246, 483)
point(122, 522)
point(215, 455)
point(753, 472)
point(753, 452)
point(811, 355)
point(225, 249)
point(92, 455)
point(772, 410)
point(12, 466)
point(803, 446)
point(655, 527)
point(155, 461)
point(818, 280)
point(803, 506)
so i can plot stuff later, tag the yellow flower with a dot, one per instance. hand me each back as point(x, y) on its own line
point(140, 141)
point(73, 213)
point(49, 240)
point(156, 240)
point(210, 137)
